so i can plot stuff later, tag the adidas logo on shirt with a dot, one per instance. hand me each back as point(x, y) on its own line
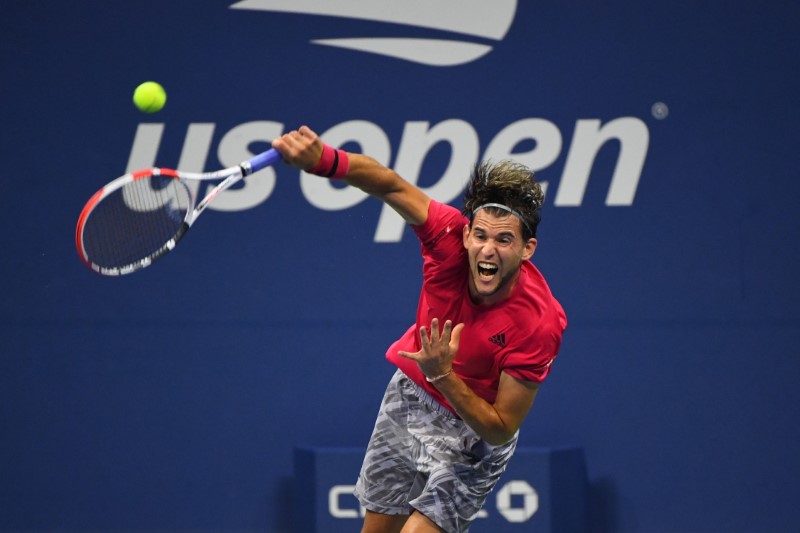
point(499, 339)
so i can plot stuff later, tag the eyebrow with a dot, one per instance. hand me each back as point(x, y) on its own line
point(503, 233)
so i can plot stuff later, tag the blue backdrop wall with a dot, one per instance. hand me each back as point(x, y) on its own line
point(172, 399)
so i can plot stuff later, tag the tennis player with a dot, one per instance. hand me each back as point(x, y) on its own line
point(486, 333)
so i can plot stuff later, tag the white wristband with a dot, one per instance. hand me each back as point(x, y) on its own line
point(438, 378)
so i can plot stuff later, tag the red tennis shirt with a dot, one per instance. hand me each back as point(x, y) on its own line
point(520, 335)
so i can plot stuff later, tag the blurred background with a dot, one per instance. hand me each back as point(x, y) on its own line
point(171, 399)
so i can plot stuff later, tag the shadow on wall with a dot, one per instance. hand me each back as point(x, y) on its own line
point(603, 505)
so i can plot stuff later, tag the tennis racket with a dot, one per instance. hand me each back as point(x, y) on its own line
point(141, 216)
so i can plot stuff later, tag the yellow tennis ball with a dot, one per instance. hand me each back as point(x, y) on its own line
point(149, 97)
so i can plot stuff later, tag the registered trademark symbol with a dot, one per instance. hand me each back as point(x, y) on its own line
point(660, 110)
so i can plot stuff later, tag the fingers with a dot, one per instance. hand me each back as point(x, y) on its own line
point(448, 328)
point(423, 339)
point(303, 136)
point(449, 335)
point(305, 131)
point(295, 140)
point(299, 147)
point(455, 338)
point(435, 329)
point(407, 355)
point(438, 347)
point(436, 336)
point(445, 334)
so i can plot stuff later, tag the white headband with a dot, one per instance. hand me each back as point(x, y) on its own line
point(504, 208)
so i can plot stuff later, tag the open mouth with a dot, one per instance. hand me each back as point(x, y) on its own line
point(486, 271)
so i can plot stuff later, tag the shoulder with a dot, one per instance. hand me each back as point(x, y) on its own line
point(539, 322)
point(535, 304)
point(442, 220)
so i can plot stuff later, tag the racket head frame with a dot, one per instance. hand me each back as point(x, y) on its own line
point(113, 187)
point(228, 176)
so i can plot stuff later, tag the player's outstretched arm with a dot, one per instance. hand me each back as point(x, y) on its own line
point(303, 149)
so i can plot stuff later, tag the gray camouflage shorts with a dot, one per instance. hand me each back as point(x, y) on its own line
point(422, 457)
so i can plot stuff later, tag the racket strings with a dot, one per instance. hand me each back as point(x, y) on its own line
point(135, 222)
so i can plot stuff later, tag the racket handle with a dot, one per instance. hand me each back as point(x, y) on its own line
point(264, 159)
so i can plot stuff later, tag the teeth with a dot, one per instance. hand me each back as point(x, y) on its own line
point(486, 271)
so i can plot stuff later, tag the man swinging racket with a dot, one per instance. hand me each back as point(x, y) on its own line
point(486, 333)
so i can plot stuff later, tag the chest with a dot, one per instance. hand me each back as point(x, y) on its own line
point(484, 340)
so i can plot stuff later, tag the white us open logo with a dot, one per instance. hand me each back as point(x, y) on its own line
point(516, 501)
point(475, 20)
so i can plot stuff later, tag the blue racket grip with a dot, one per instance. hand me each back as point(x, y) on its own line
point(264, 159)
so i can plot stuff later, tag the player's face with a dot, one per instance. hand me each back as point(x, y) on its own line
point(496, 249)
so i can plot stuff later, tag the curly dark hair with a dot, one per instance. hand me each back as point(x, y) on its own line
point(510, 184)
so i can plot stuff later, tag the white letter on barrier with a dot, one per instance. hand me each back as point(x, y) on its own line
point(516, 514)
point(333, 502)
point(634, 138)
point(145, 146)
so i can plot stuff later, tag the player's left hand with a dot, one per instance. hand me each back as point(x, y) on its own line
point(438, 349)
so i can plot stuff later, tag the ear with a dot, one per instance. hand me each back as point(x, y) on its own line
point(465, 235)
point(530, 248)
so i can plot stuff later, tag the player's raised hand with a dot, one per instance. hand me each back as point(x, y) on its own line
point(439, 349)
